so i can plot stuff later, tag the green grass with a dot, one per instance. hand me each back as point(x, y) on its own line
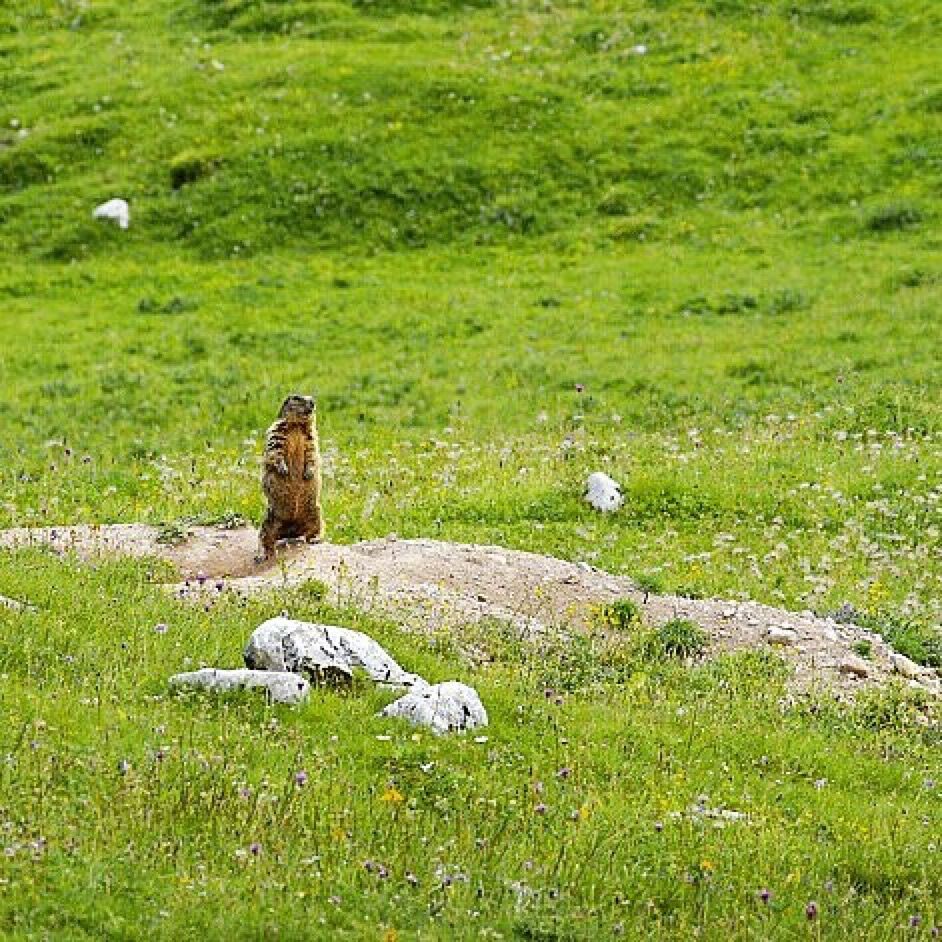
point(504, 249)
point(130, 812)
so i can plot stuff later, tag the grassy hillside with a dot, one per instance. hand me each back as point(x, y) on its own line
point(694, 244)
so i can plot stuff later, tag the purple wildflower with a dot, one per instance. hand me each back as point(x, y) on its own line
point(811, 911)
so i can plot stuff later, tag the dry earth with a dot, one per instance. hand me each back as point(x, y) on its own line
point(427, 582)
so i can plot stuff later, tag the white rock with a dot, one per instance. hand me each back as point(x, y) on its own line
point(15, 605)
point(854, 667)
point(444, 708)
point(115, 210)
point(603, 493)
point(281, 686)
point(264, 651)
point(777, 635)
point(323, 653)
point(903, 665)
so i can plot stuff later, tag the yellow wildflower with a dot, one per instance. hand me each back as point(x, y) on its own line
point(392, 796)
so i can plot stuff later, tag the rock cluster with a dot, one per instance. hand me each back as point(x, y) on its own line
point(285, 658)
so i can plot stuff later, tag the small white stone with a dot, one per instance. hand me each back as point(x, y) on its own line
point(903, 665)
point(777, 635)
point(114, 210)
point(603, 493)
point(15, 605)
point(854, 667)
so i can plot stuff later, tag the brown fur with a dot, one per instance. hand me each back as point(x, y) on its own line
point(291, 477)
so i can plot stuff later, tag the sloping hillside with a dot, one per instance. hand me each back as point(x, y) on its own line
point(691, 243)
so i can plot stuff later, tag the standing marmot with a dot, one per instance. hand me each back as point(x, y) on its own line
point(291, 477)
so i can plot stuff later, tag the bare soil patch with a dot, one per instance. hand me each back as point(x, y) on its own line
point(425, 582)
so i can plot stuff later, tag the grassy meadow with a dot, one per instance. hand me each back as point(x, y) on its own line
point(693, 244)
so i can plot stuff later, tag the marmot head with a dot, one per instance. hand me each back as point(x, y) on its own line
point(297, 407)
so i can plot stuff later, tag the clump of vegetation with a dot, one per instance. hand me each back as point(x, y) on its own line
point(678, 638)
point(313, 590)
point(621, 615)
point(192, 166)
point(893, 217)
point(917, 639)
point(174, 532)
point(650, 583)
point(863, 647)
point(894, 707)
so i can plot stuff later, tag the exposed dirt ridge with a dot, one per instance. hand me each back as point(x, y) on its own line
point(427, 581)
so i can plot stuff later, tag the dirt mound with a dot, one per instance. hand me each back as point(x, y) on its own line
point(427, 581)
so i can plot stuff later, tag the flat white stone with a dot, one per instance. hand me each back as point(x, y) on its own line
point(281, 686)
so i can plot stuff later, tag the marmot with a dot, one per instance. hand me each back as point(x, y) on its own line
point(291, 477)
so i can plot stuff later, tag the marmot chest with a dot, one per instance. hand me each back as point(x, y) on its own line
point(295, 449)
